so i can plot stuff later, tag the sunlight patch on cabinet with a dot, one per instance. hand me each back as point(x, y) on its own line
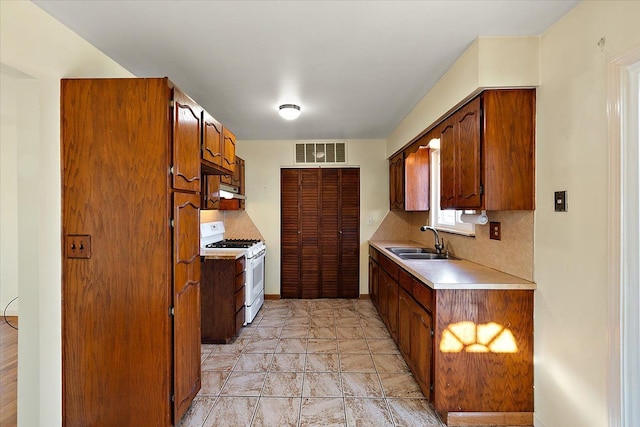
point(484, 338)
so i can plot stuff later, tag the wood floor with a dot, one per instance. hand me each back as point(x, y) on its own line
point(8, 372)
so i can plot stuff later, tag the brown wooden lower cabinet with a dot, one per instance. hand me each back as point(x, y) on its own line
point(373, 281)
point(471, 351)
point(222, 296)
point(421, 345)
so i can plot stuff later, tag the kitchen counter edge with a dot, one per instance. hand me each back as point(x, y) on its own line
point(452, 274)
point(224, 255)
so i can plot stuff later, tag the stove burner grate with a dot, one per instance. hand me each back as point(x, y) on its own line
point(233, 243)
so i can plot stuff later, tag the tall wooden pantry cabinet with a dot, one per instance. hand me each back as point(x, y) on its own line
point(131, 265)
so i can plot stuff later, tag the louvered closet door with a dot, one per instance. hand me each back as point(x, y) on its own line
point(320, 233)
point(349, 248)
point(290, 238)
point(329, 235)
point(309, 232)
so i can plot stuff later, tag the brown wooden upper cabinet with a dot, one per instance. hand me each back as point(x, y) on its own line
point(487, 152)
point(211, 140)
point(417, 174)
point(186, 141)
point(211, 191)
point(396, 182)
point(235, 180)
point(218, 147)
point(229, 150)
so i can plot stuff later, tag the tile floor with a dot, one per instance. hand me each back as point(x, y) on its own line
point(309, 363)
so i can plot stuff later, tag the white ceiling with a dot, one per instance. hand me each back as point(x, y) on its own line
point(357, 68)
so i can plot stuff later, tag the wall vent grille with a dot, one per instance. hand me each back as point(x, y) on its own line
point(320, 153)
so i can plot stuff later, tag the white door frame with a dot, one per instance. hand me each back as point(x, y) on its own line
point(623, 379)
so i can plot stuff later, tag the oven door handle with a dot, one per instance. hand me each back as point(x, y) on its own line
point(259, 254)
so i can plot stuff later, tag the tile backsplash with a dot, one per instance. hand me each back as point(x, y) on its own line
point(513, 254)
point(237, 224)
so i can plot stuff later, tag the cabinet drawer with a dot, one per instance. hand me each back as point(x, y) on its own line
point(239, 297)
point(240, 263)
point(373, 253)
point(423, 294)
point(389, 266)
point(405, 280)
point(239, 319)
point(240, 278)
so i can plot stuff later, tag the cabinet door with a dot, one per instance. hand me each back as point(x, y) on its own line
point(468, 166)
point(383, 290)
point(509, 142)
point(236, 178)
point(228, 150)
point(396, 182)
point(447, 170)
point(290, 233)
point(421, 347)
point(211, 139)
point(186, 143)
point(392, 308)
point(211, 192)
point(241, 184)
point(186, 301)
point(349, 232)
point(417, 176)
point(404, 324)
point(373, 282)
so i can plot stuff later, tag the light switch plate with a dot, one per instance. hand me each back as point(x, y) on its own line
point(78, 246)
point(560, 198)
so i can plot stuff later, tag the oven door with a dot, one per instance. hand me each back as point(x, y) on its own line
point(254, 286)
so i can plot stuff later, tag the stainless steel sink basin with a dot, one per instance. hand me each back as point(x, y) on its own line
point(418, 253)
point(425, 255)
point(399, 250)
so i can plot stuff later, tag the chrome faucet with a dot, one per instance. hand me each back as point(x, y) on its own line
point(439, 244)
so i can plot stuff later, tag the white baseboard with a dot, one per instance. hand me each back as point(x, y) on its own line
point(537, 422)
point(10, 312)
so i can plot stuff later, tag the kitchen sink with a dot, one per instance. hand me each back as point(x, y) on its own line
point(398, 251)
point(424, 255)
point(419, 253)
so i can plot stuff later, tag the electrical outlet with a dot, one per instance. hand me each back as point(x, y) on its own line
point(495, 232)
point(78, 246)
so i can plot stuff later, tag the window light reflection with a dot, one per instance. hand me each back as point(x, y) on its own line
point(485, 338)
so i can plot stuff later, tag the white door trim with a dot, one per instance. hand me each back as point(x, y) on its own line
point(623, 376)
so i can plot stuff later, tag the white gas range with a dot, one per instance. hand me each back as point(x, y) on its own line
point(212, 242)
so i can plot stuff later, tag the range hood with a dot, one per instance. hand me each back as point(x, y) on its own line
point(230, 192)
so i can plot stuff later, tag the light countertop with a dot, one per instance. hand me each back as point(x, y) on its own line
point(451, 274)
point(222, 254)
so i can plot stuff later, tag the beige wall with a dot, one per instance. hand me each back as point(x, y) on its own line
point(9, 89)
point(263, 162)
point(41, 48)
point(571, 248)
point(488, 62)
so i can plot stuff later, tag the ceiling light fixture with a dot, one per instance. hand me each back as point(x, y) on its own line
point(289, 111)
